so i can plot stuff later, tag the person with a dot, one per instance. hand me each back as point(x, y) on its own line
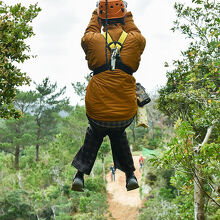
point(141, 163)
point(110, 101)
point(112, 168)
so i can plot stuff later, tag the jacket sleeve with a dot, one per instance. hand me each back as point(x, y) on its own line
point(129, 25)
point(133, 30)
point(94, 25)
point(93, 29)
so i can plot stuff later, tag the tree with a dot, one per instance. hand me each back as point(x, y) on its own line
point(103, 152)
point(46, 105)
point(14, 30)
point(80, 88)
point(72, 130)
point(15, 134)
point(191, 98)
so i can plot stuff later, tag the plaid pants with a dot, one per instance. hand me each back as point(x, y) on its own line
point(86, 156)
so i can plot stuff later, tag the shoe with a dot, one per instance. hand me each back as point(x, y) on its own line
point(131, 182)
point(78, 184)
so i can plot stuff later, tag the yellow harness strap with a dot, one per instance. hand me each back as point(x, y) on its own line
point(121, 40)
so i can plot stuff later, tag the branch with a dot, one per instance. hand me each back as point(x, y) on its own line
point(202, 188)
point(196, 150)
point(207, 136)
point(194, 23)
point(209, 131)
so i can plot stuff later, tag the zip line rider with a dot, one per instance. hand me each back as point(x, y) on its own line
point(111, 102)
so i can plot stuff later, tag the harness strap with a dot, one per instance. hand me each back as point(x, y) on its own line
point(119, 65)
point(111, 45)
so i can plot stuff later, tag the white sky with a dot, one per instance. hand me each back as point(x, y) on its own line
point(61, 24)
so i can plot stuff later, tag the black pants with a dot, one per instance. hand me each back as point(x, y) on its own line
point(86, 156)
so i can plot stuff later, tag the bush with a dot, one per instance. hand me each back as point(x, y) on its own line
point(159, 210)
point(166, 193)
point(95, 184)
point(15, 205)
point(95, 202)
point(90, 216)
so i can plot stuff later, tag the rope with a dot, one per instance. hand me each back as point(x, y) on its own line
point(106, 30)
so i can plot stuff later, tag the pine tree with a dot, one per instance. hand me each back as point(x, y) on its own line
point(47, 105)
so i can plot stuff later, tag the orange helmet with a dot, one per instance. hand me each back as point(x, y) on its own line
point(116, 9)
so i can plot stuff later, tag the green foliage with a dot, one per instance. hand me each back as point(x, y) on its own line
point(95, 184)
point(192, 90)
point(42, 190)
point(136, 135)
point(91, 203)
point(45, 106)
point(159, 209)
point(191, 99)
point(165, 195)
point(16, 134)
point(14, 30)
point(185, 206)
point(93, 216)
point(73, 129)
point(180, 156)
point(157, 139)
point(15, 205)
point(104, 150)
point(80, 88)
point(98, 166)
point(39, 122)
point(216, 216)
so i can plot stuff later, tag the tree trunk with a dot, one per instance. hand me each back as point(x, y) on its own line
point(103, 169)
point(37, 152)
point(19, 180)
point(38, 139)
point(199, 199)
point(16, 162)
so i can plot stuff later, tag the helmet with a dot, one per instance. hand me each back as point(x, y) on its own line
point(116, 9)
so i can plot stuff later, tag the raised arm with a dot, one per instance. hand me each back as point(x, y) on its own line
point(94, 25)
point(129, 25)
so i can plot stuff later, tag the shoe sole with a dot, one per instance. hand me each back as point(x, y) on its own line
point(77, 186)
point(132, 185)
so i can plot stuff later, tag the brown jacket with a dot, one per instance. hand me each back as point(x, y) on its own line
point(111, 95)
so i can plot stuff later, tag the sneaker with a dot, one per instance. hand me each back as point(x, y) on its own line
point(78, 184)
point(131, 182)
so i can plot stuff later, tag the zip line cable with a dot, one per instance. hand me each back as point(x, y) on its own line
point(106, 32)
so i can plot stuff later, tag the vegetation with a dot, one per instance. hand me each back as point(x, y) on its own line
point(14, 30)
point(41, 190)
point(191, 99)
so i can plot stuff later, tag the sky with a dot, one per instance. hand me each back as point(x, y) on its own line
point(60, 26)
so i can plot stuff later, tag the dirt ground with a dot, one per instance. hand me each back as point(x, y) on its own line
point(123, 204)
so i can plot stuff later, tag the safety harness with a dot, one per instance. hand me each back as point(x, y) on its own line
point(115, 48)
